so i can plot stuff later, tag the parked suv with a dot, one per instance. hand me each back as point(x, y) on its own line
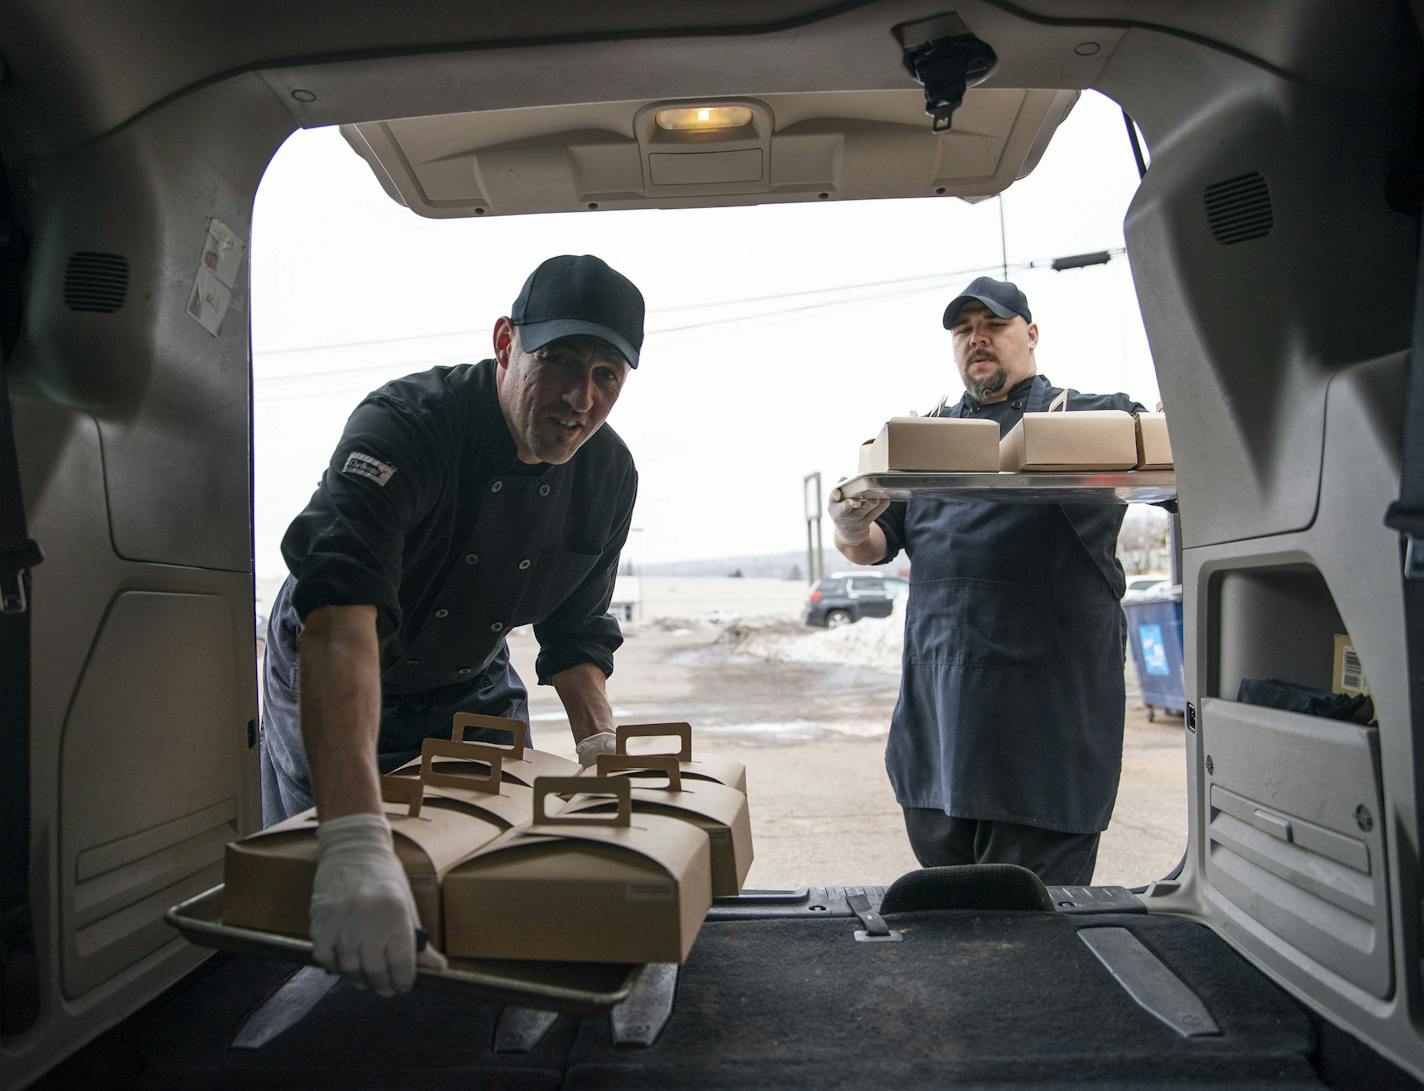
point(846, 597)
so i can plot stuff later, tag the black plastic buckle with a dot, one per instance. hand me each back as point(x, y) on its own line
point(945, 67)
point(14, 565)
point(1410, 523)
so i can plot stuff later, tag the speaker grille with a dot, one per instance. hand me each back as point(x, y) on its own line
point(1239, 208)
point(96, 282)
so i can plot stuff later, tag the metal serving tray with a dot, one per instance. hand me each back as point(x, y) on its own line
point(579, 988)
point(1119, 487)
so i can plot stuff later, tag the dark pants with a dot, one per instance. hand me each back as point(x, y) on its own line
point(1059, 859)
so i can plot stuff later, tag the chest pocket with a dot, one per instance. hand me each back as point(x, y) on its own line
point(555, 576)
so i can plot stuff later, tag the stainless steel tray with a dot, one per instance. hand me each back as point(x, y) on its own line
point(579, 988)
point(1119, 487)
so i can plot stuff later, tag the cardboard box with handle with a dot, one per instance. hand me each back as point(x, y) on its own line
point(717, 770)
point(268, 876)
point(573, 887)
point(1093, 439)
point(719, 811)
point(521, 763)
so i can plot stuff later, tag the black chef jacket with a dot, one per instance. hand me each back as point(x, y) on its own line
point(1011, 695)
point(426, 513)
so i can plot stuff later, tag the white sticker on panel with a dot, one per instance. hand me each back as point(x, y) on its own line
point(209, 301)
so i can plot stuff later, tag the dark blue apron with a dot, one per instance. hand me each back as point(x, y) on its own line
point(1011, 699)
point(458, 660)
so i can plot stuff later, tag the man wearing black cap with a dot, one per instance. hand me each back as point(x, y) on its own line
point(1006, 743)
point(460, 503)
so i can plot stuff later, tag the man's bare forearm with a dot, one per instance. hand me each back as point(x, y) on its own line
point(582, 689)
point(869, 551)
point(340, 698)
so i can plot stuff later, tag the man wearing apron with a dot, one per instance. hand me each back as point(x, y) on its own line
point(460, 503)
point(1006, 743)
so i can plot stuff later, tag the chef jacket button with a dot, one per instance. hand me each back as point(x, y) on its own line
point(497, 486)
point(497, 626)
point(1018, 405)
point(543, 490)
point(524, 564)
point(442, 613)
point(472, 558)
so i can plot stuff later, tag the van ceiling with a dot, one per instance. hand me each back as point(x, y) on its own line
point(792, 147)
point(71, 72)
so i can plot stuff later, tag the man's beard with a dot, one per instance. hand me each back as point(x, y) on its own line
point(988, 386)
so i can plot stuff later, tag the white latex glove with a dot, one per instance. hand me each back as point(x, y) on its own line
point(363, 917)
point(600, 742)
point(853, 517)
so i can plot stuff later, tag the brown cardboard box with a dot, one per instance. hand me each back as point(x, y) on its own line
point(582, 887)
point(268, 876)
point(714, 808)
point(933, 444)
point(717, 770)
point(1094, 439)
point(521, 764)
point(1154, 445)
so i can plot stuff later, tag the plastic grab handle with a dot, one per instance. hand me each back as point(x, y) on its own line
point(405, 790)
point(662, 763)
point(518, 728)
point(683, 732)
point(618, 787)
point(481, 753)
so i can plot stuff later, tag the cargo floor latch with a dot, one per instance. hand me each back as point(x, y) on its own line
point(946, 59)
point(873, 927)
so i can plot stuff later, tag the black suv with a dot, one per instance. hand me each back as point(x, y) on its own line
point(846, 597)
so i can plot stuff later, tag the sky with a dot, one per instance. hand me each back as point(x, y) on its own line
point(779, 337)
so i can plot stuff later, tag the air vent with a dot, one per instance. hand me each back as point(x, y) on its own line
point(1239, 208)
point(96, 282)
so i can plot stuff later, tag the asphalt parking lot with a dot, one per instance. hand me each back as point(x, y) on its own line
point(812, 737)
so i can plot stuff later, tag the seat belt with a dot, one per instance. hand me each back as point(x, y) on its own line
point(19, 968)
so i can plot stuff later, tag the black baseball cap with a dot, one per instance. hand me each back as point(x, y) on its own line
point(1000, 296)
point(572, 295)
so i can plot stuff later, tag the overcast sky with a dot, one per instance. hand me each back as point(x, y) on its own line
point(734, 402)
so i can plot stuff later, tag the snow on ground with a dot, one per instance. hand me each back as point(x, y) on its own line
point(873, 642)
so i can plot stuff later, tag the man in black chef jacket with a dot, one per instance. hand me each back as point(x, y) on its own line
point(1006, 743)
point(460, 503)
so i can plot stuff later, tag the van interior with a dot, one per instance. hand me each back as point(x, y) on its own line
point(1274, 245)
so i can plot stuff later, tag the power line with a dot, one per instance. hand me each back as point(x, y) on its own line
point(862, 288)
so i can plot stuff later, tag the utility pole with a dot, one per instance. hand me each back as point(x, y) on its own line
point(1003, 240)
point(811, 494)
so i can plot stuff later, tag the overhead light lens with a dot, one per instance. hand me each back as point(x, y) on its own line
point(703, 118)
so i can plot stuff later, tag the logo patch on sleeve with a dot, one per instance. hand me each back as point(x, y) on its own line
point(366, 466)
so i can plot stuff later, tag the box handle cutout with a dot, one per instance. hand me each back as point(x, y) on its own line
point(405, 790)
point(480, 753)
point(660, 763)
point(682, 732)
point(518, 728)
point(618, 787)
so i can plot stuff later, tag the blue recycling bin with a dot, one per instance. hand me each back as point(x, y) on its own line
point(1154, 631)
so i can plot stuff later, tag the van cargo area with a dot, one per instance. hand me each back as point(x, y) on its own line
point(1275, 158)
point(786, 996)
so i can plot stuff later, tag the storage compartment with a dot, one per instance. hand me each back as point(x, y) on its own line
point(1295, 848)
point(1272, 622)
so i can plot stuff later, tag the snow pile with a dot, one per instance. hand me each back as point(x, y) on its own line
point(872, 642)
